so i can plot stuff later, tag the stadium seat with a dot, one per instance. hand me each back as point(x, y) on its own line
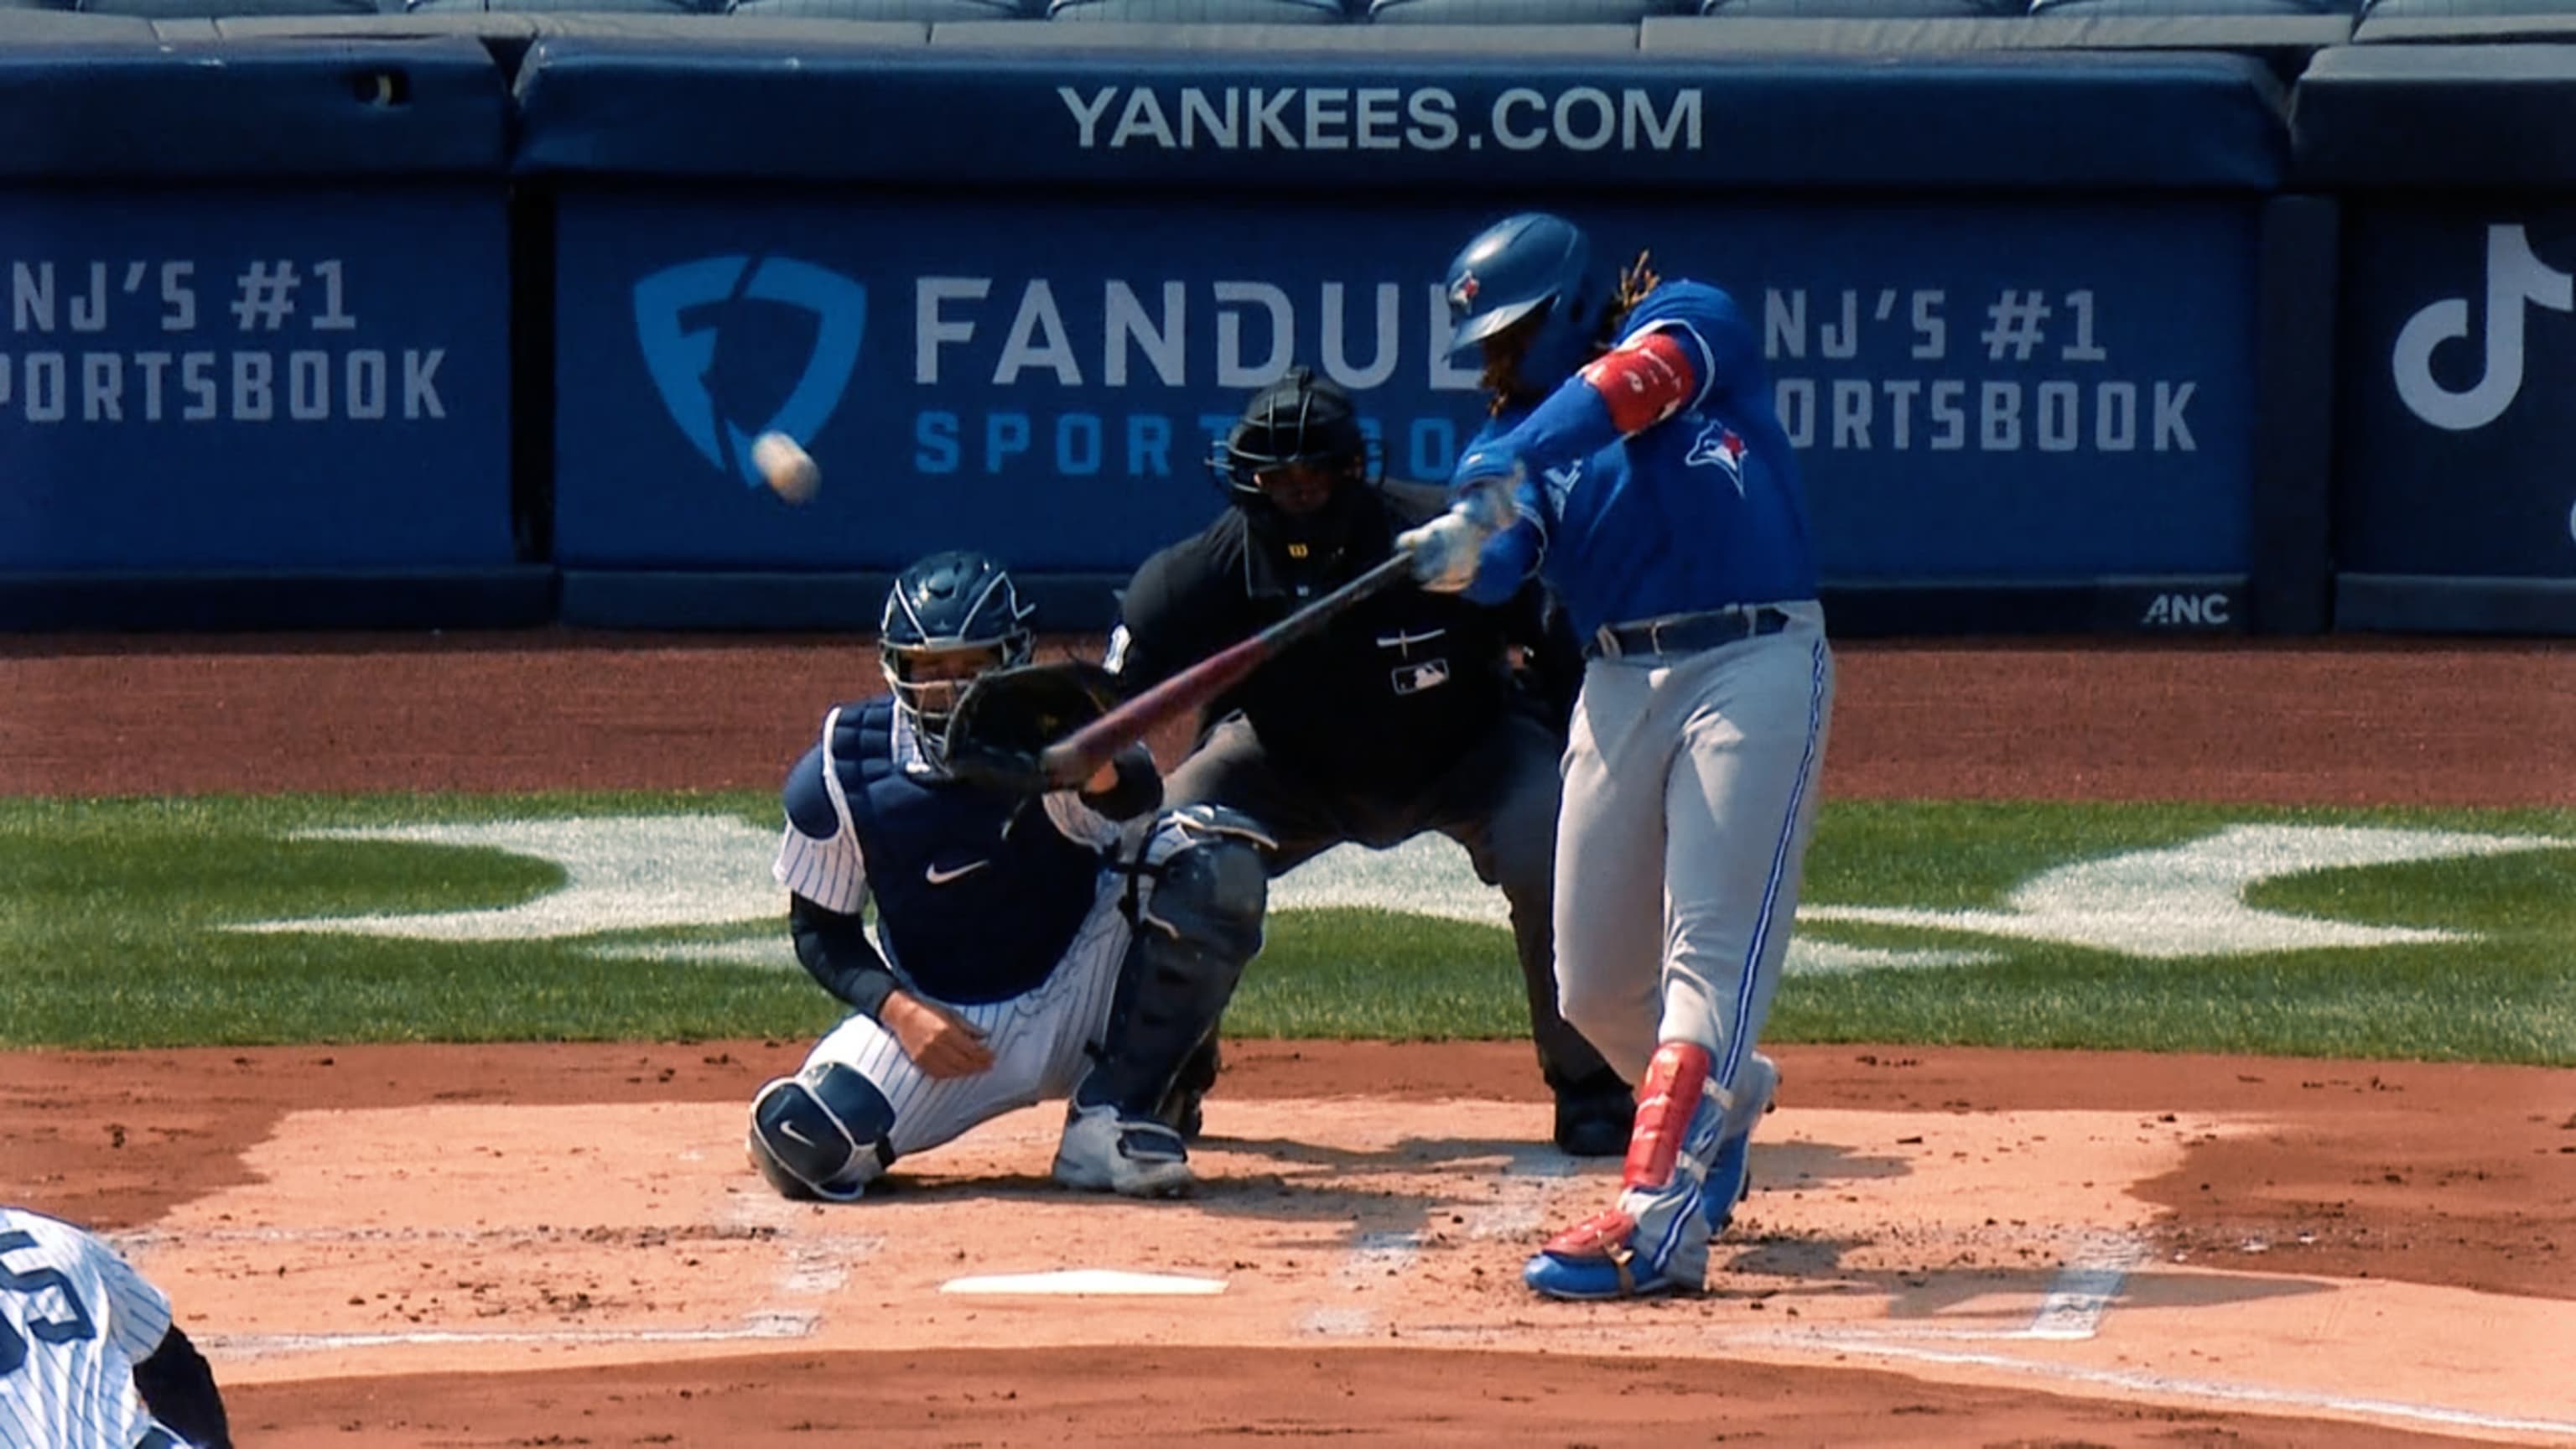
point(1191, 12)
point(2465, 9)
point(1523, 12)
point(2161, 8)
point(225, 9)
point(1862, 9)
point(562, 7)
point(931, 12)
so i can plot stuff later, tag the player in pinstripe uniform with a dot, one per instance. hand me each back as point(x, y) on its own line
point(1026, 949)
point(89, 1356)
point(1634, 460)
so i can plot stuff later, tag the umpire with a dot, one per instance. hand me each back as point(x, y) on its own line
point(1414, 711)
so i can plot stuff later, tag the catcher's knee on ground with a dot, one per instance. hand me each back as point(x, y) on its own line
point(822, 1133)
point(1195, 931)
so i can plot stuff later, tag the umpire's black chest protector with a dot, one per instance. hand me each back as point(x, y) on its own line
point(1387, 696)
point(978, 894)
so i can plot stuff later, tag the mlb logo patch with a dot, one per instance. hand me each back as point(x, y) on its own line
point(1415, 678)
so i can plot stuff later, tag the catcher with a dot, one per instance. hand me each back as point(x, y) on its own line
point(1031, 944)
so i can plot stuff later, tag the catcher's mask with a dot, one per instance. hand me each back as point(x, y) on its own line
point(949, 618)
point(1293, 463)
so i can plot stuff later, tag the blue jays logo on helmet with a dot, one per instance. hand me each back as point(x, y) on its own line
point(1523, 266)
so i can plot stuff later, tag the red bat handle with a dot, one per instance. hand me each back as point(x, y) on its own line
point(1078, 756)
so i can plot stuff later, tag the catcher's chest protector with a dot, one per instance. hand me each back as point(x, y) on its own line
point(978, 894)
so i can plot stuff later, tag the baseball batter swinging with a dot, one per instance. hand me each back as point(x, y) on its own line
point(1635, 462)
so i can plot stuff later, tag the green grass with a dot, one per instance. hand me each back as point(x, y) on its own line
point(109, 917)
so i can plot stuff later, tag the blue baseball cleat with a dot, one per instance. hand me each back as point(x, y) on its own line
point(1730, 1170)
point(1656, 1240)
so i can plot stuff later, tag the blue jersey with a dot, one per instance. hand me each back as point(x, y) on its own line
point(1701, 510)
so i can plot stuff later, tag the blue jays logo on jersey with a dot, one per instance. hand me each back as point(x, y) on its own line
point(679, 359)
point(1721, 447)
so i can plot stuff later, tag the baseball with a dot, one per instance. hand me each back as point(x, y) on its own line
point(787, 467)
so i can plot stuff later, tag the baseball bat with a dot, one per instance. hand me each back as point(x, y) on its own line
point(1076, 757)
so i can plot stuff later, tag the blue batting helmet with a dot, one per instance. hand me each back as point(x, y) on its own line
point(960, 603)
point(1520, 267)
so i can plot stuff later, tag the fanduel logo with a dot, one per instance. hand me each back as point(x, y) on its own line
point(2514, 277)
point(678, 358)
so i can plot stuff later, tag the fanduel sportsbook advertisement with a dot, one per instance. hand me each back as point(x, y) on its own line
point(221, 381)
point(2001, 393)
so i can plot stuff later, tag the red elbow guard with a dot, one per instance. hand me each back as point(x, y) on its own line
point(1645, 381)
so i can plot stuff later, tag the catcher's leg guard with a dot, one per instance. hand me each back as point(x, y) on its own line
point(1180, 1108)
point(1195, 930)
point(821, 1133)
point(1656, 1239)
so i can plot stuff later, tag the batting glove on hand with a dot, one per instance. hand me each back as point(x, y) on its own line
point(1445, 551)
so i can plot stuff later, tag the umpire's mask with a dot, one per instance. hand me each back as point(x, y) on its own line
point(1294, 463)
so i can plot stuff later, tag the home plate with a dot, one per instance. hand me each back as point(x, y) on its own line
point(1095, 1282)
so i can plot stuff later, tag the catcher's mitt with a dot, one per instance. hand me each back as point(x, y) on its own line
point(1007, 717)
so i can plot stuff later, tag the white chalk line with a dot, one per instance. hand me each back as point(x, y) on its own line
point(2085, 1288)
point(1829, 1340)
point(1373, 1257)
point(1519, 1206)
point(765, 1325)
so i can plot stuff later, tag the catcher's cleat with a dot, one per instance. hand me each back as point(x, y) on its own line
point(1132, 1157)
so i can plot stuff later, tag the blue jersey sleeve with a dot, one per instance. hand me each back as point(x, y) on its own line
point(1727, 356)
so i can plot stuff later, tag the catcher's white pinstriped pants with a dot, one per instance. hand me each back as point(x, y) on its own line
point(1039, 1039)
point(1690, 795)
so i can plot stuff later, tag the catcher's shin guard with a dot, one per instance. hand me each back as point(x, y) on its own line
point(1656, 1239)
point(1196, 929)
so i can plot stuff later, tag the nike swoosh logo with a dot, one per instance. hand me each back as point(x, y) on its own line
point(936, 876)
point(788, 1129)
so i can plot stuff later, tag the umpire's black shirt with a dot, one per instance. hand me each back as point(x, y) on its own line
point(1383, 701)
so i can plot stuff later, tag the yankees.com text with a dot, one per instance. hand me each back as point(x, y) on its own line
point(1381, 118)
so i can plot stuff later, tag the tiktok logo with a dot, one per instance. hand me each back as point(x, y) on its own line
point(2514, 277)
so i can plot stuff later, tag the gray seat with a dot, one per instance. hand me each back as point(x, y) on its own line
point(923, 12)
point(557, 7)
point(1861, 9)
point(224, 9)
point(1522, 12)
point(2464, 9)
point(1197, 12)
point(2160, 8)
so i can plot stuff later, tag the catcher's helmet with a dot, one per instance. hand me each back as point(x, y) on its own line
point(948, 619)
point(1290, 462)
point(1530, 265)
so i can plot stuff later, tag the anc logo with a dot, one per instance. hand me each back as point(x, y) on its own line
point(679, 359)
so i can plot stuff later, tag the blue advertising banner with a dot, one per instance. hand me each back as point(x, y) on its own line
point(221, 380)
point(730, 109)
point(2458, 349)
point(1995, 393)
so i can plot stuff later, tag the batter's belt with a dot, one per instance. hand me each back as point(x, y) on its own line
point(1686, 633)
